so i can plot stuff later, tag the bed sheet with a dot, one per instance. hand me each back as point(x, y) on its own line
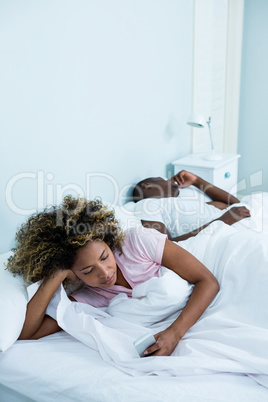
point(231, 336)
point(61, 368)
point(8, 395)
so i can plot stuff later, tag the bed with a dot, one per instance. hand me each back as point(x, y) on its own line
point(223, 357)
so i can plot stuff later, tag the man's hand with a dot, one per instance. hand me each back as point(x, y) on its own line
point(166, 341)
point(184, 178)
point(234, 215)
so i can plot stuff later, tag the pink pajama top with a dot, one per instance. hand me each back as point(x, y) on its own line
point(141, 259)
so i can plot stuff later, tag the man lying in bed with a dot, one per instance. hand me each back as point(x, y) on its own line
point(160, 207)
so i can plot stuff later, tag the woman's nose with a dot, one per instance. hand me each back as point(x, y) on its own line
point(104, 272)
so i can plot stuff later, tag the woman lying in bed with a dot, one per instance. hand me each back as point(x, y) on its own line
point(82, 240)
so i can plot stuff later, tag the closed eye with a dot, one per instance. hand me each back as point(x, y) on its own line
point(89, 272)
point(105, 257)
point(102, 259)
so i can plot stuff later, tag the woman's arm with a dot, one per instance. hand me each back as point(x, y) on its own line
point(186, 179)
point(206, 287)
point(37, 324)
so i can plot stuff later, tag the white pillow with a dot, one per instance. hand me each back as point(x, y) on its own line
point(193, 193)
point(13, 303)
point(125, 214)
point(129, 206)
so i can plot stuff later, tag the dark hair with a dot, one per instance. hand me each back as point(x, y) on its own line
point(138, 193)
point(49, 240)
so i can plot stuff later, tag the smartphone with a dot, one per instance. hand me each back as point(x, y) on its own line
point(143, 343)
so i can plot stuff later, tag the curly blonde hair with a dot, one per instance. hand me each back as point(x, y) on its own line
point(49, 240)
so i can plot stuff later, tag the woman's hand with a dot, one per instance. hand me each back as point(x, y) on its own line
point(70, 275)
point(185, 179)
point(37, 324)
point(205, 289)
point(166, 341)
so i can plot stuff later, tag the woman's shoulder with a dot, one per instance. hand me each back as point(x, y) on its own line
point(142, 239)
point(141, 231)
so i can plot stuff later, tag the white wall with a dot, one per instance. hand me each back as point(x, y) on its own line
point(253, 131)
point(89, 86)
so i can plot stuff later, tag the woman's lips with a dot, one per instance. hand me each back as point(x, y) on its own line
point(109, 281)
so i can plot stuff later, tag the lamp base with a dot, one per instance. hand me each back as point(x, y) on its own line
point(212, 156)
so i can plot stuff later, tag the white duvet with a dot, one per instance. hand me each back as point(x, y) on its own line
point(230, 337)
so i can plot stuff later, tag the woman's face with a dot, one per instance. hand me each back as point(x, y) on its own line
point(95, 265)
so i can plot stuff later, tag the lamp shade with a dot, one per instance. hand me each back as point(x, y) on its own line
point(196, 120)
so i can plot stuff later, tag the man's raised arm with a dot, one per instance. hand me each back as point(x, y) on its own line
point(186, 179)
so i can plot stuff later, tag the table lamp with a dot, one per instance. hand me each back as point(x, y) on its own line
point(198, 121)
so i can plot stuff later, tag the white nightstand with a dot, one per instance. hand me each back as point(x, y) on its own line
point(222, 173)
